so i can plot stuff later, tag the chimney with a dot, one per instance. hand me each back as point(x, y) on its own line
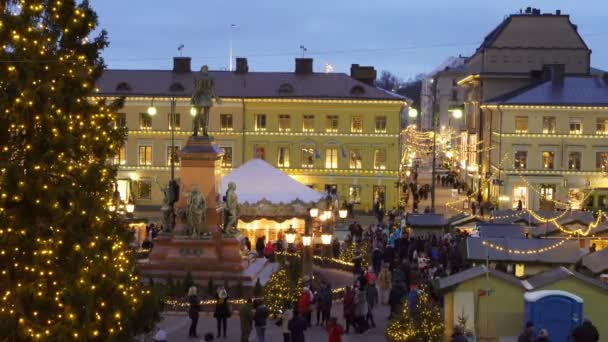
point(303, 66)
point(241, 65)
point(365, 74)
point(558, 12)
point(181, 64)
point(557, 74)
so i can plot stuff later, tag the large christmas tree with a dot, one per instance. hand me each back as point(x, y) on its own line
point(66, 270)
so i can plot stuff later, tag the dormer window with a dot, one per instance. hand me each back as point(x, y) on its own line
point(285, 88)
point(357, 90)
point(123, 86)
point(176, 87)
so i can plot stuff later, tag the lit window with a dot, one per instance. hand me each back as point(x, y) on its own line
point(548, 158)
point(601, 161)
point(602, 126)
point(308, 123)
point(260, 122)
point(354, 194)
point(521, 159)
point(145, 121)
point(176, 121)
point(226, 123)
point(356, 124)
point(520, 270)
point(284, 123)
point(380, 124)
point(145, 155)
point(380, 159)
point(172, 153)
point(120, 158)
point(547, 192)
point(521, 124)
point(308, 157)
point(332, 124)
point(143, 189)
point(576, 126)
point(520, 193)
point(574, 160)
point(549, 125)
point(331, 158)
point(355, 159)
point(227, 157)
point(259, 152)
point(121, 120)
point(283, 157)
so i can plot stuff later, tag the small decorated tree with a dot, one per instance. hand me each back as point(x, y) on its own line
point(422, 325)
point(349, 253)
point(281, 289)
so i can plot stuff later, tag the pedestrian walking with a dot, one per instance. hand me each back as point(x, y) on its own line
point(297, 326)
point(326, 300)
point(222, 311)
point(384, 284)
point(349, 307)
point(259, 318)
point(585, 332)
point(246, 318)
point(286, 317)
point(305, 304)
point(372, 300)
point(193, 311)
point(334, 330)
point(360, 323)
point(395, 299)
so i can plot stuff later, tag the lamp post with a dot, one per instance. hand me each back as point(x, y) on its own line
point(290, 237)
point(307, 251)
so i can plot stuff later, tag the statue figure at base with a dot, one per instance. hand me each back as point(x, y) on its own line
point(197, 208)
point(168, 215)
point(202, 100)
point(231, 208)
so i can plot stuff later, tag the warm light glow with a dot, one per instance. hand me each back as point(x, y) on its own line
point(130, 208)
point(449, 154)
point(408, 173)
point(314, 212)
point(323, 217)
point(504, 198)
point(457, 113)
point(413, 112)
point(326, 238)
point(193, 111)
point(151, 111)
point(112, 208)
point(290, 235)
point(306, 240)
point(327, 214)
point(343, 213)
point(519, 270)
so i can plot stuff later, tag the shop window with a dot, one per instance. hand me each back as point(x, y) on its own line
point(283, 156)
point(308, 123)
point(520, 193)
point(331, 158)
point(547, 192)
point(521, 159)
point(355, 160)
point(548, 160)
point(574, 160)
point(521, 124)
point(549, 125)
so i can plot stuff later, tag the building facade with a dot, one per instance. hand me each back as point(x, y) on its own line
point(326, 130)
point(516, 54)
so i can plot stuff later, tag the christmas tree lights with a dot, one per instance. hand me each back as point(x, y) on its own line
point(66, 270)
point(424, 324)
point(280, 290)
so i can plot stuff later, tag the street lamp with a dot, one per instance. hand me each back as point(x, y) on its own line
point(412, 113)
point(326, 237)
point(314, 212)
point(193, 111)
point(290, 235)
point(151, 109)
point(343, 213)
point(306, 240)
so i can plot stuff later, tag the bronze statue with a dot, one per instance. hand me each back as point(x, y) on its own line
point(202, 100)
point(231, 208)
point(166, 208)
point(197, 207)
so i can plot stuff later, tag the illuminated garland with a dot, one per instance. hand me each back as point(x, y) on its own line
point(424, 324)
point(519, 251)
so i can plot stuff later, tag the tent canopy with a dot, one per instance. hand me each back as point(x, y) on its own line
point(256, 181)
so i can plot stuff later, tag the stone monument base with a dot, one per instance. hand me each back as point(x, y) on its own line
point(217, 259)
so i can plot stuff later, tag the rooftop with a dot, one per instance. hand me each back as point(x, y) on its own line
point(596, 262)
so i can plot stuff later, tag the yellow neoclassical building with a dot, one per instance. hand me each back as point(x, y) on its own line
point(326, 130)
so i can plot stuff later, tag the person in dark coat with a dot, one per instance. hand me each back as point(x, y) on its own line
point(349, 307)
point(458, 335)
point(377, 260)
point(260, 246)
point(335, 248)
point(395, 299)
point(296, 327)
point(585, 332)
point(247, 243)
point(222, 311)
point(246, 318)
point(260, 316)
point(193, 311)
point(528, 334)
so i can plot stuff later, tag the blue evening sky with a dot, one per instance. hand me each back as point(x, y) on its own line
point(405, 37)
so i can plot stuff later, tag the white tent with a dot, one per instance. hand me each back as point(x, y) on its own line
point(257, 181)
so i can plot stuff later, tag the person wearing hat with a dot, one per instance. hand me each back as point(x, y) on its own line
point(543, 336)
point(528, 334)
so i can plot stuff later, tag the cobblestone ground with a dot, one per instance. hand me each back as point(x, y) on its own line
point(176, 326)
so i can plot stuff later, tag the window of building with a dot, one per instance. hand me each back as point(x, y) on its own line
point(602, 126)
point(602, 201)
point(355, 160)
point(574, 160)
point(120, 158)
point(454, 82)
point(521, 159)
point(331, 189)
point(521, 124)
point(549, 125)
point(356, 124)
point(121, 120)
point(548, 159)
point(576, 126)
point(380, 159)
point(454, 95)
point(284, 123)
point(380, 124)
point(331, 158)
point(143, 189)
point(283, 156)
point(547, 192)
point(379, 193)
point(308, 123)
point(331, 125)
point(227, 157)
point(145, 154)
point(520, 193)
point(308, 157)
point(354, 194)
point(172, 153)
point(260, 122)
point(226, 123)
point(145, 121)
point(259, 152)
point(176, 122)
point(601, 160)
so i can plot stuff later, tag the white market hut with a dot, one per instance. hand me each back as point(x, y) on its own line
point(270, 200)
